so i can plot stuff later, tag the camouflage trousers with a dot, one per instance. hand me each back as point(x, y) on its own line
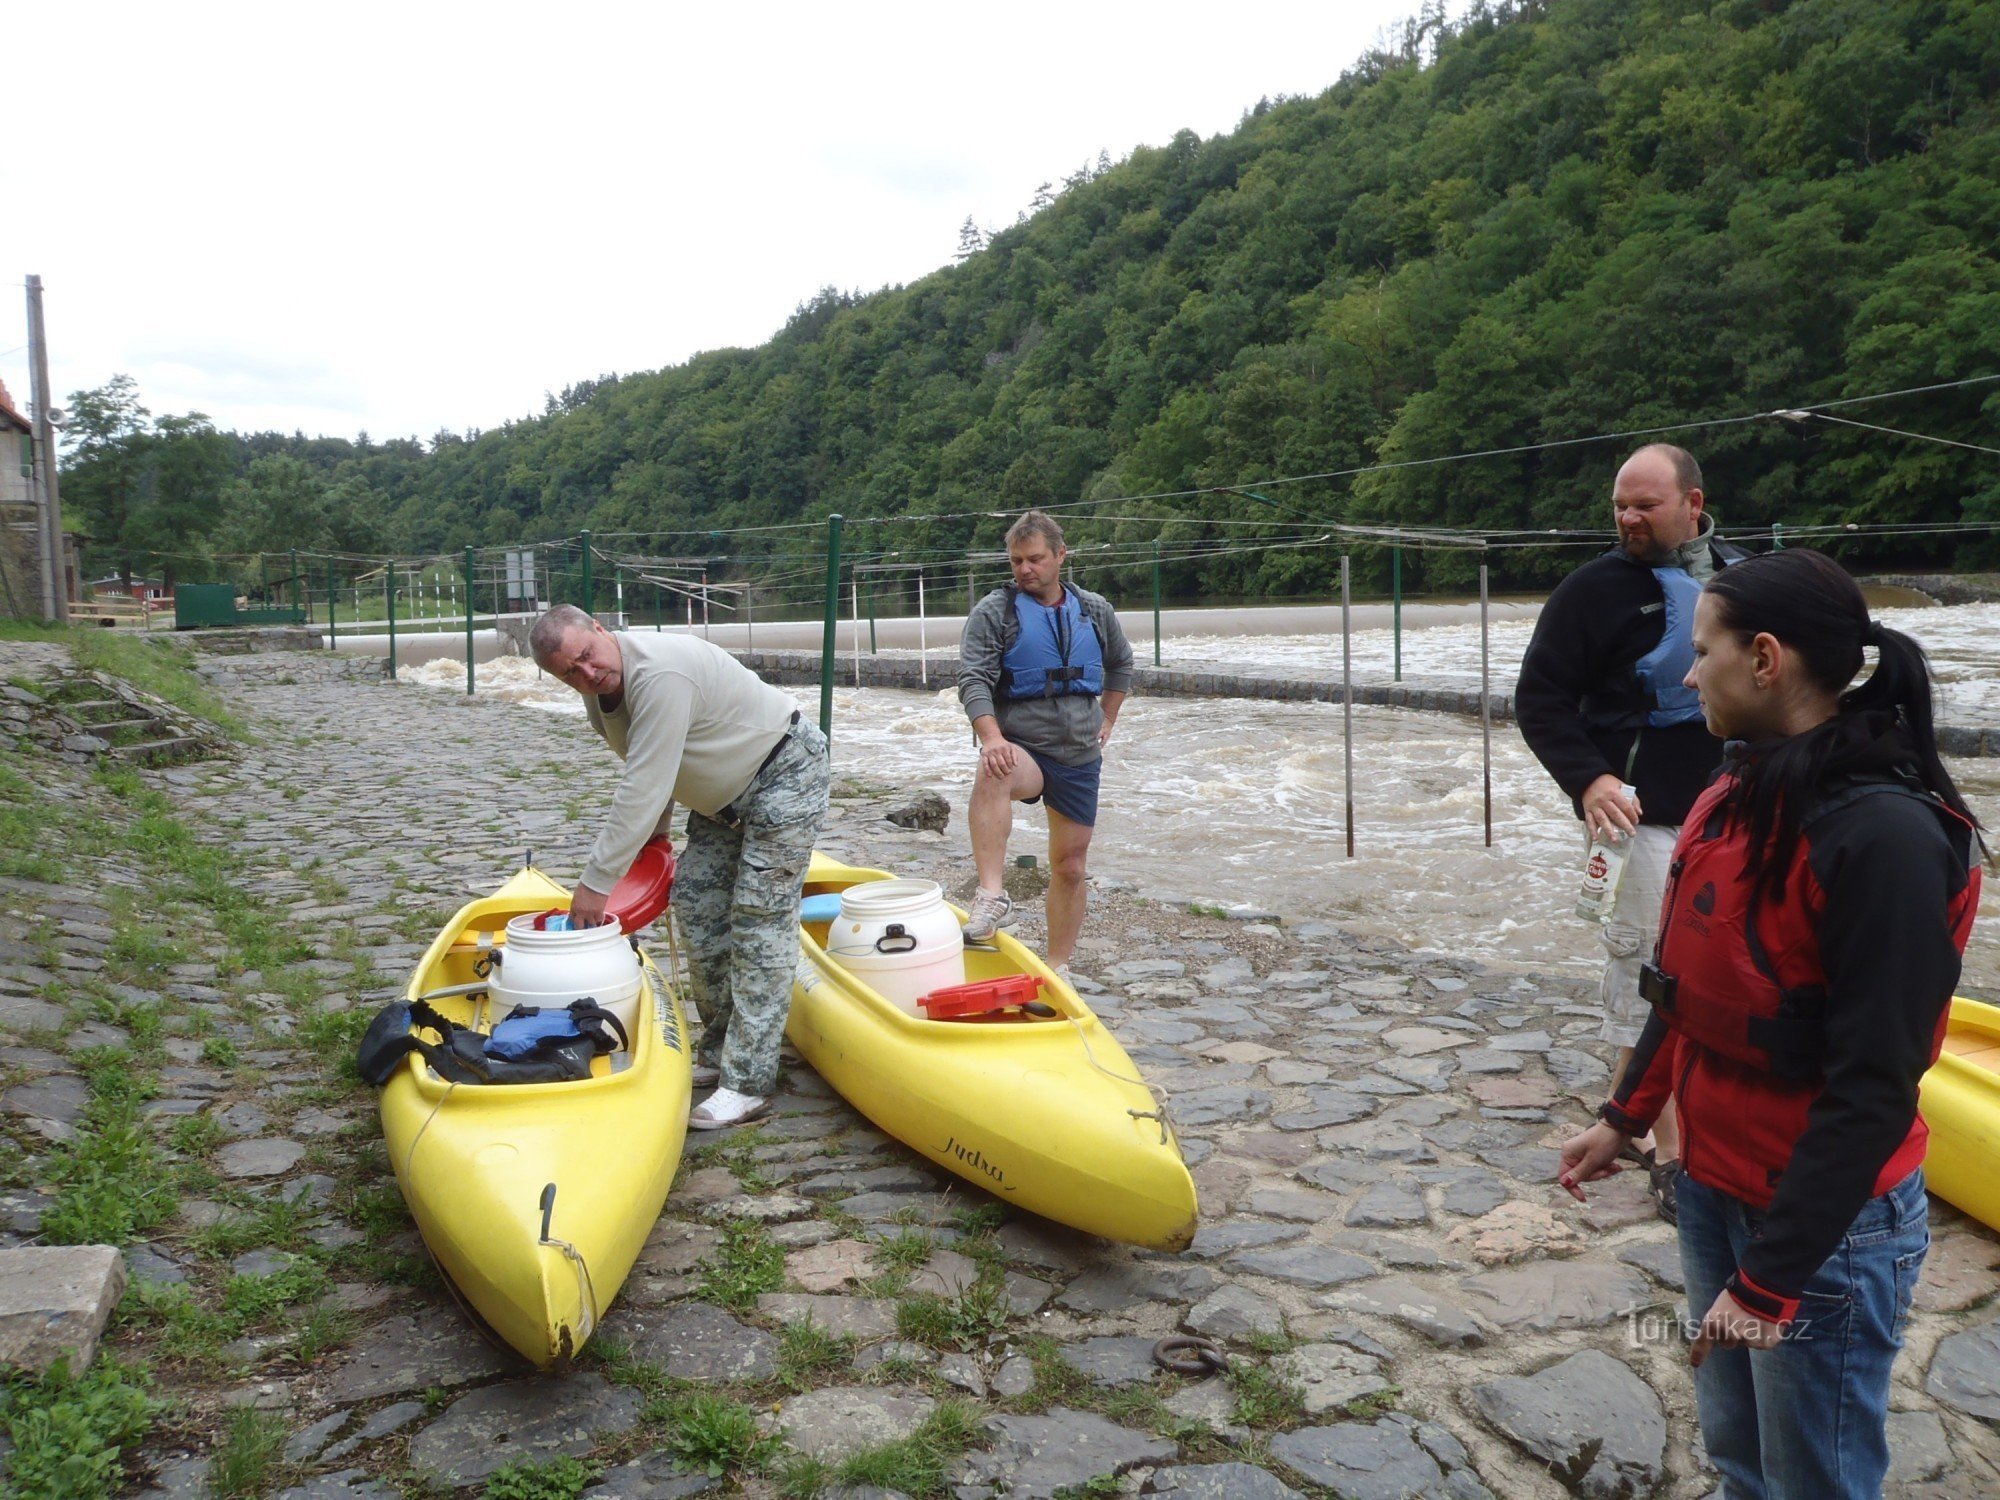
point(737, 895)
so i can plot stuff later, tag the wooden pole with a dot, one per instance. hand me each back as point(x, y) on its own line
point(1347, 694)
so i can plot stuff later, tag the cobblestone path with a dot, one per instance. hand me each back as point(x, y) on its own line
point(1411, 1307)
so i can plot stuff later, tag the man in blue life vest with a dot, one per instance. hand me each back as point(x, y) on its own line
point(1043, 671)
point(1601, 703)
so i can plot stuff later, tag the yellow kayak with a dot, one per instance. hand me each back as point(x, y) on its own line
point(535, 1199)
point(1047, 1114)
point(1960, 1101)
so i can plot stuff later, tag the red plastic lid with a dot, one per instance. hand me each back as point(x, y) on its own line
point(642, 895)
point(979, 999)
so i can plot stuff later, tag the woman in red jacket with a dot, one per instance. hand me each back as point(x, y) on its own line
point(1816, 912)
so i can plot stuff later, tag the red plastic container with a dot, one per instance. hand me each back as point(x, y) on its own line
point(960, 1000)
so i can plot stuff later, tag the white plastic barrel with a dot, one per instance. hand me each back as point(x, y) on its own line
point(550, 969)
point(899, 938)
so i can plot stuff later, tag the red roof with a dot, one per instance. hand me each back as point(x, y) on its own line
point(7, 412)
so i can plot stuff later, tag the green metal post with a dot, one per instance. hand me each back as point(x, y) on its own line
point(332, 630)
point(1777, 536)
point(298, 594)
point(589, 593)
point(1396, 593)
point(391, 571)
point(1156, 601)
point(659, 596)
point(468, 623)
point(826, 650)
point(263, 581)
point(871, 616)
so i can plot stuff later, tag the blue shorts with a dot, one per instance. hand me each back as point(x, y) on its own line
point(1069, 790)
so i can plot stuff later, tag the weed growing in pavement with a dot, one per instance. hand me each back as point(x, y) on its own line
point(919, 1464)
point(1264, 1398)
point(195, 1135)
point(961, 1322)
point(909, 1251)
point(278, 1222)
point(744, 1266)
point(36, 834)
point(219, 1052)
point(714, 1434)
point(800, 1476)
point(806, 1351)
point(184, 1331)
point(252, 1300)
point(1375, 1403)
point(70, 1433)
point(558, 1478)
point(324, 1330)
point(1057, 1381)
point(111, 1181)
point(246, 1462)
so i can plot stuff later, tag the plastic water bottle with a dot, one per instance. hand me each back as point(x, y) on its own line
point(1603, 867)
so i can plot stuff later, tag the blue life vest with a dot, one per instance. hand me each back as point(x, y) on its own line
point(1662, 670)
point(1055, 651)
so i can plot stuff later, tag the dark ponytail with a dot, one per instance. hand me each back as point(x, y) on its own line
point(1807, 600)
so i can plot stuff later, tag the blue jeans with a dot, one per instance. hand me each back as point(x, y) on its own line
point(1806, 1420)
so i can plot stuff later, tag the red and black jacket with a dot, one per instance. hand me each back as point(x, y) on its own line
point(1794, 1032)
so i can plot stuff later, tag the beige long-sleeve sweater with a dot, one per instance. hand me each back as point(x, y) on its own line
point(692, 727)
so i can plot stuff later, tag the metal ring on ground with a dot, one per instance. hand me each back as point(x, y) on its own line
point(1185, 1355)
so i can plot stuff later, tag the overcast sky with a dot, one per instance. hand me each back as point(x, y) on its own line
point(401, 218)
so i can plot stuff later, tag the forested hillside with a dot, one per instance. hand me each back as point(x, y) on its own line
point(1557, 219)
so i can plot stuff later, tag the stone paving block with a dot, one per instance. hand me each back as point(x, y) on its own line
point(1598, 1426)
point(434, 1346)
point(1965, 1371)
point(1547, 1295)
point(1358, 1461)
point(54, 1302)
point(1112, 1360)
point(1037, 1456)
point(1332, 1376)
point(836, 1422)
point(1232, 1311)
point(527, 1421)
point(863, 1317)
point(1413, 1303)
point(1304, 1265)
point(1219, 1482)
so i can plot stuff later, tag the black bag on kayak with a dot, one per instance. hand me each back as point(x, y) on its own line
point(531, 1045)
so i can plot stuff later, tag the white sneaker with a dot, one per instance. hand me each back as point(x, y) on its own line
point(706, 1075)
point(726, 1107)
point(987, 915)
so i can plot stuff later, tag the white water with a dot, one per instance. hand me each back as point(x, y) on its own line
point(1233, 801)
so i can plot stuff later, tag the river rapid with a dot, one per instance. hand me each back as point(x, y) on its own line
point(1237, 803)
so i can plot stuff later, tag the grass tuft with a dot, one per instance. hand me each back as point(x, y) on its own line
point(70, 1433)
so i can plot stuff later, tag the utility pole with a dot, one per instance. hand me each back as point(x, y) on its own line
point(48, 495)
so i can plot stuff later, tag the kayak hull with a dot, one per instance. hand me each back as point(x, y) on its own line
point(1049, 1116)
point(535, 1199)
point(1960, 1101)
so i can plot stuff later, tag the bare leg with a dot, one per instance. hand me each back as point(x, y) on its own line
point(990, 815)
point(1069, 842)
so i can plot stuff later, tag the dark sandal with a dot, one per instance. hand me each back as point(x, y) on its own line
point(1660, 1180)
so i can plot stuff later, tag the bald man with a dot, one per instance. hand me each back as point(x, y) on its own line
point(1601, 703)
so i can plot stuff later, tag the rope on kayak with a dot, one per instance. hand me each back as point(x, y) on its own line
point(1158, 1097)
point(586, 1291)
point(417, 1139)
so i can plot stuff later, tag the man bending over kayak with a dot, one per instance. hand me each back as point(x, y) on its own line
point(696, 727)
